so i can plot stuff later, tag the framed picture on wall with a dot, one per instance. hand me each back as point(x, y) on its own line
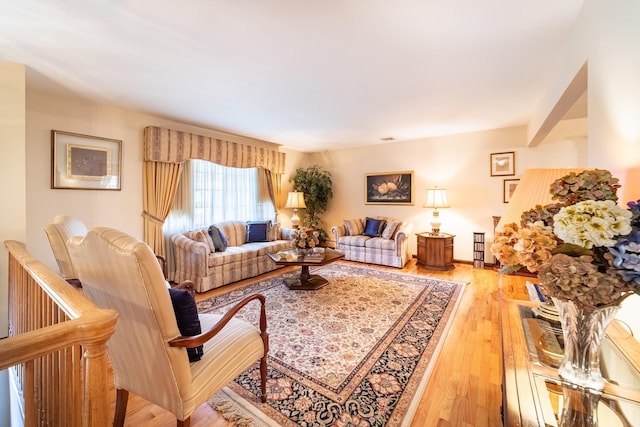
point(509, 187)
point(83, 162)
point(503, 164)
point(388, 188)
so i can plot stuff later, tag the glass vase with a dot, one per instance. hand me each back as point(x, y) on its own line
point(583, 330)
point(302, 252)
point(579, 407)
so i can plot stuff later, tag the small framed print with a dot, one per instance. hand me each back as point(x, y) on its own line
point(509, 187)
point(388, 188)
point(503, 164)
point(84, 162)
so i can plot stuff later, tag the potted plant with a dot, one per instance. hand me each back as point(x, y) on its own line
point(316, 185)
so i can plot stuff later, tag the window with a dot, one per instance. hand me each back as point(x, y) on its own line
point(210, 193)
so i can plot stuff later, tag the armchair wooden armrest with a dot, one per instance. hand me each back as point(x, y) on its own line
point(198, 340)
point(163, 263)
point(188, 285)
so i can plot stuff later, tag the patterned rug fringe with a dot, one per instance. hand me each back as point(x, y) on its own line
point(232, 409)
point(229, 412)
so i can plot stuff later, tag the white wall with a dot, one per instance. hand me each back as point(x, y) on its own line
point(12, 171)
point(606, 35)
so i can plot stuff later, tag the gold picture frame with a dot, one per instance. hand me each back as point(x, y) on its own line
point(503, 164)
point(84, 162)
point(389, 188)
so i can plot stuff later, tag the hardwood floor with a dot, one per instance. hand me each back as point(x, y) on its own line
point(464, 387)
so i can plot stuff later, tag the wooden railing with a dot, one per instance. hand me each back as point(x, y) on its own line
point(56, 346)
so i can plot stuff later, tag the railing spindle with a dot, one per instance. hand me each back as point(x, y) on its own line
point(56, 346)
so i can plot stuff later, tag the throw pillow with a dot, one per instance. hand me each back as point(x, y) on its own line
point(274, 232)
point(184, 306)
point(373, 227)
point(201, 236)
point(258, 231)
point(354, 227)
point(225, 242)
point(390, 229)
point(217, 237)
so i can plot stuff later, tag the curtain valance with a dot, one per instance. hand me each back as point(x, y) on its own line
point(172, 146)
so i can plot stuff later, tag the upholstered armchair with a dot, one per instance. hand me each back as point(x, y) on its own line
point(59, 232)
point(147, 351)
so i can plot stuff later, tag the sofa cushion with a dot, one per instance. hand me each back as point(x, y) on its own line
point(234, 231)
point(380, 243)
point(353, 240)
point(258, 231)
point(203, 237)
point(390, 229)
point(274, 232)
point(186, 311)
point(263, 248)
point(219, 242)
point(354, 226)
point(373, 227)
point(234, 254)
point(223, 238)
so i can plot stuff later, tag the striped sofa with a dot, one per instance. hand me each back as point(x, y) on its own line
point(389, 246)
point(198, 260)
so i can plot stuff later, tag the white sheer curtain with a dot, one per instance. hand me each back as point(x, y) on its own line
point(210, 193)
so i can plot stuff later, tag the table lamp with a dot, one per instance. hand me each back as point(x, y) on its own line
point(436, 198)
point(295, 201)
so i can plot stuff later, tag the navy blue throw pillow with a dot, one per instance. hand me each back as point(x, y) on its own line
point(258, 231)
point(218, 238)
point(184, 306)
point(373, 227)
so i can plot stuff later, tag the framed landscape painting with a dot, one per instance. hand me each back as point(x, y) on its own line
point(503, 164)
point(389, 188)
point(84, 162)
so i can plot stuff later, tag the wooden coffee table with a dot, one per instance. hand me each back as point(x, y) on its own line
point(305, 281)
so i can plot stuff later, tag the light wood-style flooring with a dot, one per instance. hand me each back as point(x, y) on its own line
point(464, 387)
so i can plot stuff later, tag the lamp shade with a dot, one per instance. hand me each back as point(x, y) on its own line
point(295, 200)
point(436, 198)
point(534, 188)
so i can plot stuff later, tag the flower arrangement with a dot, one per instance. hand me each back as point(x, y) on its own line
point(305, 239)
point(584, 248)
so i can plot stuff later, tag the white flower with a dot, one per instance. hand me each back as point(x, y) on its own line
point(592, 223)
point(305, 239)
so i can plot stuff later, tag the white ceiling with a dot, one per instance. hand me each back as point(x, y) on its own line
point(311, 75)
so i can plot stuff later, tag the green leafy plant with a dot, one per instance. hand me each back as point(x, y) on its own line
point(316, 185)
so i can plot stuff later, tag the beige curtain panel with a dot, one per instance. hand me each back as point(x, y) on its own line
point(159, 187)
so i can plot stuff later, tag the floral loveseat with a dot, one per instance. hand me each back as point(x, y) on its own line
point(378, 240)
point(227, 252)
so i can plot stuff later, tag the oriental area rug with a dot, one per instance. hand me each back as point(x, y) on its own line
point(357, 352)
